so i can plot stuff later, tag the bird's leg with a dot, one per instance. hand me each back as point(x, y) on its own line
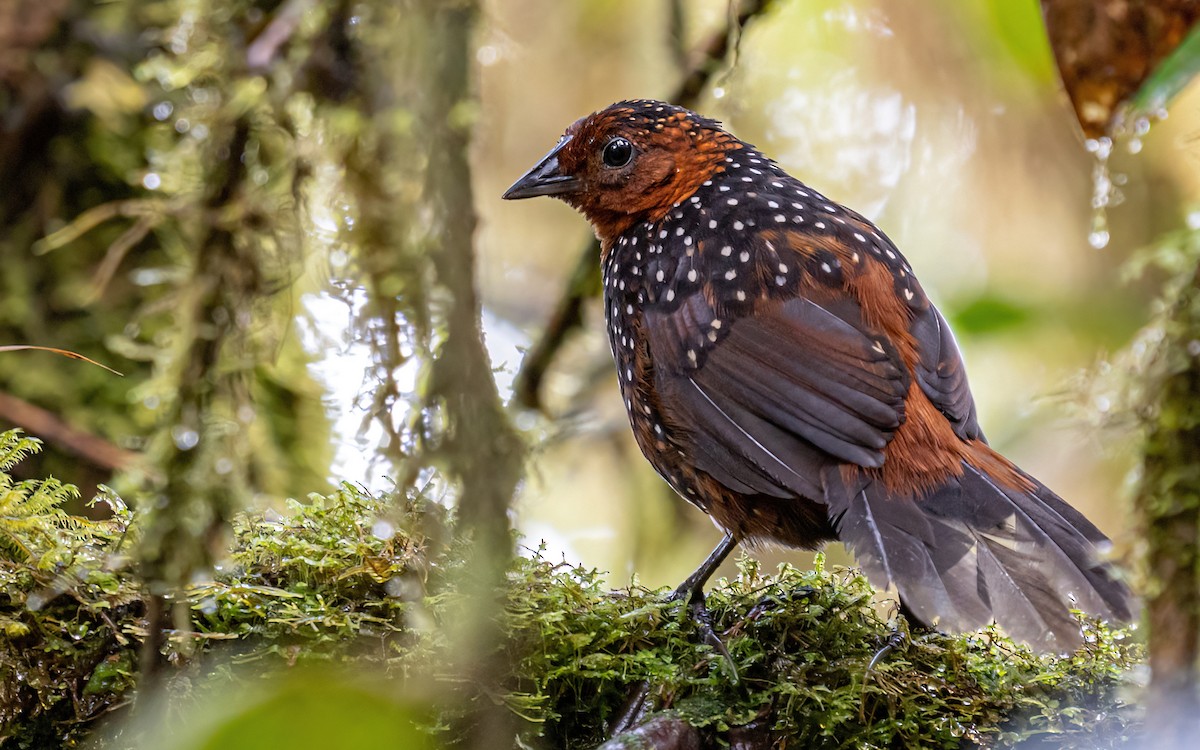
point(898, 637)
point(692, 592)
point(693, 586)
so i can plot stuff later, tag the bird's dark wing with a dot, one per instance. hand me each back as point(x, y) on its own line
point(781, 392)
point(940, 370)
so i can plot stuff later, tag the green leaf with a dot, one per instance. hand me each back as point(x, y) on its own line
point(299, 710)
point(1169, 78)
point(989, 313)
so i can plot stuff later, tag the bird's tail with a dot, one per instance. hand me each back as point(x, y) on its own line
point(978, 548)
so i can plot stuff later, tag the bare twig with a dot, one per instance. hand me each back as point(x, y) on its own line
point(585, 279)
point(61, 352)
point(50, 427)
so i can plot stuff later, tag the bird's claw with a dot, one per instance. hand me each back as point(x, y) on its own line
point(700, 615)
point(896, 639)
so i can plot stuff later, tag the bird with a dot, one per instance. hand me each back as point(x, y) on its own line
point(784, 371)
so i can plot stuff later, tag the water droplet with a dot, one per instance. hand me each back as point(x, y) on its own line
point(185, 438)
point(163, 110)
point(487, 55)
point(718, 92)
point(224, 465)
point(151, 181)
point(1102, 191)
point(383, 529)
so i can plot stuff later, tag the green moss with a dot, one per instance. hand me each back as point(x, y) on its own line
point(364, 581)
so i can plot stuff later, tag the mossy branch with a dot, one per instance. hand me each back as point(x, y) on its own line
point(325, 581)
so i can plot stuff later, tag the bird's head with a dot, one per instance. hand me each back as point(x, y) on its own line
point(628, 163)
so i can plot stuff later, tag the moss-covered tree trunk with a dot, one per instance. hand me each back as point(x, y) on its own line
point(1169, 502)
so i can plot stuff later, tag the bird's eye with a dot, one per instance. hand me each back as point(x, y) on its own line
point(618, 152)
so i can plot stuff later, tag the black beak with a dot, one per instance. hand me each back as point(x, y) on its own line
point(544, 179)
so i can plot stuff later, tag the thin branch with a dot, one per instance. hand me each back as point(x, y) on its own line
point(51, 428)
point(585, 279)
point(61, 352)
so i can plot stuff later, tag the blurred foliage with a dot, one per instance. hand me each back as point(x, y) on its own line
point(1112, 53)
point(1166, 396)
point(117, 118)
point(1170, 77)
point(345, 581)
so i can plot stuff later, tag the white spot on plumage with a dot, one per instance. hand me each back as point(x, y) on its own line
point(732, 201)
point(660, 275)
point(726, 251)
point(908, 294)
point(692, 356)
point(670, 295)
point(820, 225)
point(741, 295)
point(712, 223)
point(730, 275)
point(780, 218)
point(738, 226)
point(744, 256)
point(692, 275)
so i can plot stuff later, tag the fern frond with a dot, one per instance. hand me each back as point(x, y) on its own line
point(14, 447)
point(31, 514)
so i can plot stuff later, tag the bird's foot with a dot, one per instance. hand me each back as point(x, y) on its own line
point(893, 642)
point(699, 614)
